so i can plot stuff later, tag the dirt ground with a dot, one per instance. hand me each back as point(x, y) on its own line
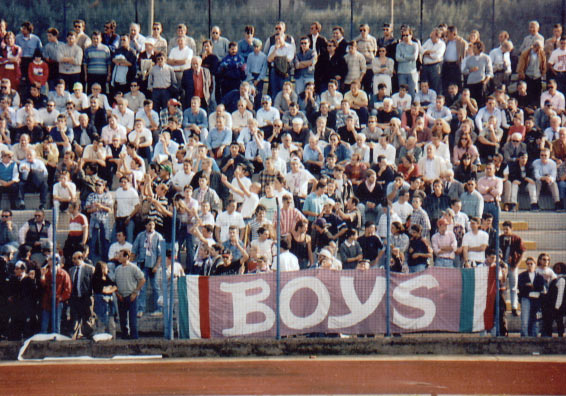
point(314, 375)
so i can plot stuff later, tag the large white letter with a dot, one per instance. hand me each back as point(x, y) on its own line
point(296, 322)
point(243, 305)
point(402, 294)
point(358, 311)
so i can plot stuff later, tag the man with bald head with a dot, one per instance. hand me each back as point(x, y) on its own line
point(197, 81)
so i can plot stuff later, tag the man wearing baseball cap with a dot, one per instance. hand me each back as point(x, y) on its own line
point(444, 245)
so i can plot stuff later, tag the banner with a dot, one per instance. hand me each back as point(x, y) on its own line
point(348, 302)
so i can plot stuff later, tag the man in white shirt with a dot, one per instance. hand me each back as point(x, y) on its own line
point(120, 244)
point(432, 52)
point(183, 178)
point(402, 100)
point(124, 115)
point(288, 260)
point(501, 61)
point(47, 116)
point(553, 96)
point(113, 129)
point(126, 205)
point(441, 148)
point(298, 179)
point(64, 192)
point(180, 58)
point(557, 62)
point(383, 147)
point(402, 206)
point(474, 244)
point(226, 219)
point(267, 114)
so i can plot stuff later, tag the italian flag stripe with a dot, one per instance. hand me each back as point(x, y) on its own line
point(204, 307)
point(467, 301)
point(183, 307)
point(477, 303)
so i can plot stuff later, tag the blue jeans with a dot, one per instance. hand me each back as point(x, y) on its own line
point(529, 323)
point(410, 79)
point(493, 208)
point(119, 225)
point(98, 236)
point(416, 268)
point(444, 262)
point(431, 73)
point(276, 82)
point(150, 278)
point(46, 319)
point(562, 192)
point(187, 238)
point(103, 308)
point(128, 311)
point(160, 98)
point(35, 182)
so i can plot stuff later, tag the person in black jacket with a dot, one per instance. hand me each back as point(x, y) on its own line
point(330, 65)
point(23, 293)
point(531, 284)
point(371, 194)
point(521, 174)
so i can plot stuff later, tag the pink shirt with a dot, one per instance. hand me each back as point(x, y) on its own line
point(496, 185)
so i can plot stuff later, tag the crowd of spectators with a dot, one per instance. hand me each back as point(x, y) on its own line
point(116, 131)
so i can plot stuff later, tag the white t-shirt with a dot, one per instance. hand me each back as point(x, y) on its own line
point(116, 247)
point(402, 103)
point(63, 192)
point(181, 179)
point(471, 240)
point(248, 207)
point(145, 136)
point(404, 210)
point(246, 182)
point(264, 249)
point(126, 201)
point(289, 262)
point(185, 54)
point(558, 60)
point(225, 220)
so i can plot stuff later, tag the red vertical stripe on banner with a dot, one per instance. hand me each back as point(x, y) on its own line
point(204, 306)
point(488, 316)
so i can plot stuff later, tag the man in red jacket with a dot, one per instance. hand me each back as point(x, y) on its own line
point(63, 292)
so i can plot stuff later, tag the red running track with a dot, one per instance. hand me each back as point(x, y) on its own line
point(529, 376)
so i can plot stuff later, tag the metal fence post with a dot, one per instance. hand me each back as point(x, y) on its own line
point(278, 284)
point(421, 21)
point(388, 275)
point(54, 273)
point(171, 285)
point(497, 266)
point(351, 19)
point(164, 286)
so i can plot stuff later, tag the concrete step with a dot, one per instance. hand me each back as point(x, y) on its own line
point(537, 220)
point(544, 239)
point(31, 200)
point(517, 225)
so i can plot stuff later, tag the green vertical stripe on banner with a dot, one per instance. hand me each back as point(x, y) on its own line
point(183, 307)
point(467, 303)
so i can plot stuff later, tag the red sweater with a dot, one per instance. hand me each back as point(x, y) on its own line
point(38, 73)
